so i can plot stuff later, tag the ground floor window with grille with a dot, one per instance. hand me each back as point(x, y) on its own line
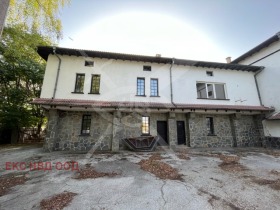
point(210, 125)
point(86, 124)
point(145, 125)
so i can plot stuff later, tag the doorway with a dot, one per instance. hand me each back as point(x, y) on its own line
point(181, 134)
point(162, 133)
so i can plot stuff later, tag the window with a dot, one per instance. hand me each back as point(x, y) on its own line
point(140, 86)
point(89, 63)
point(210, 125)
point(209, 73)
point(220, 91)
point(145, 125)
point(95, 84)
point(79, 85)
point(86, 124)
point(147, 68)
point(154, 87)
point(211, 90)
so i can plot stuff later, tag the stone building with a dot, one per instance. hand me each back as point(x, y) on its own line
point(95, 99)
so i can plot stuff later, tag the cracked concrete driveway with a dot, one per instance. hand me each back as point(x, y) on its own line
point(204, 184)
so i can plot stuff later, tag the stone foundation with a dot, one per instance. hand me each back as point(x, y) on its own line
point(229, 131)
point(272, 142)
point(108, 128)
point(68, 132)
point(249, 131)
point(199, 136)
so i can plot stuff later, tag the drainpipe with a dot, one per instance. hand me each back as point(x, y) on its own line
point(170, 74)
point(57, 74)
point(256, 81)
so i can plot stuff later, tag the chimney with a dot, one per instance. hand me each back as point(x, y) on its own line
point(228, 59)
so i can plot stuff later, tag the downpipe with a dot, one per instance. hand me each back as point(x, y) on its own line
point(257, 85)
point(57, 74)
point(171, 84)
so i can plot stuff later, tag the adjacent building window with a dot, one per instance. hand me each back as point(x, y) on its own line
point(154, 87)
point(211, 90)
point(210, 125)
point(95, 84)
point(209, 73)
point(145, 125)
point(89, 63)
point(79, 85)
point(140, 87)
point(147, 68)
point(86, 125)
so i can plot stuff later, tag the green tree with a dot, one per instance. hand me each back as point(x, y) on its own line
point(29, 23)
point(21, 76)
point(40, 16)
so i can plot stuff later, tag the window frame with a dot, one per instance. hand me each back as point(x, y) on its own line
point(91, 85)
point(147, 68)
point(89, 63)
point(76, 83)
point(210, 127)
point(86, 123)
point(209, 73)
point(154, 79)
point(213, 84)
point(137, 93)
point(145, 125)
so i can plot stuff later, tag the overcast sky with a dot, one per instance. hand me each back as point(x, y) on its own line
point(207, 30)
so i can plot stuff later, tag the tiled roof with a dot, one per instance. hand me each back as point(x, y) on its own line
point(275, 116)
point(45, 51)
point(126, 104)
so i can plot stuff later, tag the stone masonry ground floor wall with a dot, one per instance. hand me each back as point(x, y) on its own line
point(229, 131)
point(272, 142)
point(64, 131)
point(199, 136)
point(272, 133)
point(107, 129)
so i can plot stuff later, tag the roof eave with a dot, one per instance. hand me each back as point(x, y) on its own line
point(44, 52)
point(257, 48)
point(98, 104)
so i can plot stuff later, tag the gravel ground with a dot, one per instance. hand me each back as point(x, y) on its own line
point(206, 180)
